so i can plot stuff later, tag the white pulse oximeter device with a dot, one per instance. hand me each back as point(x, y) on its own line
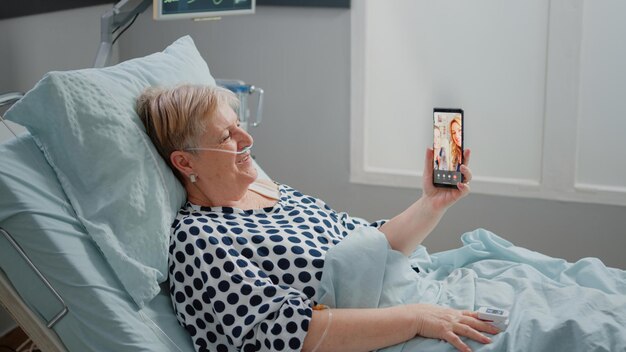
point(495, 316)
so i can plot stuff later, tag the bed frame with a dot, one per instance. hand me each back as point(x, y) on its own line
point(45, 338)
point(38, 330)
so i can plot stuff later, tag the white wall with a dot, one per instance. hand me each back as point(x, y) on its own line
point(600, 154)
point(539, 81)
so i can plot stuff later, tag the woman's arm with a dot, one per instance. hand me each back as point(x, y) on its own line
point(371, 329)
point(409, 228)
point(359, 329)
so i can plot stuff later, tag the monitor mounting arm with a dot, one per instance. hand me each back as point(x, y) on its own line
point(122, 13)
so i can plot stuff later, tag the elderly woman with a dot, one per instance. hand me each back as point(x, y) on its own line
point(246, 255)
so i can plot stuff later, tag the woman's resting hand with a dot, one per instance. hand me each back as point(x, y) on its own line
point(449, 324)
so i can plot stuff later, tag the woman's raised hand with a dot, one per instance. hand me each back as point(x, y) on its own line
point(449, 324)
point(440, 197)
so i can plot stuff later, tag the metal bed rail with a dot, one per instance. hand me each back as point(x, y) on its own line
point(30, 263)
point(9, 99)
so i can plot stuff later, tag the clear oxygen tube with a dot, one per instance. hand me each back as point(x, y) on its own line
point(242, 151)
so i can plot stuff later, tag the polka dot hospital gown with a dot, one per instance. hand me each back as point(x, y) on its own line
point(246, 279)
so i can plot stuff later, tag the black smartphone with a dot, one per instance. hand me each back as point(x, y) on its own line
point(447, 146)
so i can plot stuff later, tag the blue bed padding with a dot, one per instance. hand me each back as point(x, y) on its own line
point(554, 305)
point(102, 316)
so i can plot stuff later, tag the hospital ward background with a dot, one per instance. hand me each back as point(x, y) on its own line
point(349, 88)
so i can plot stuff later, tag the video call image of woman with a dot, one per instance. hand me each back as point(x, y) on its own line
point(456, 145)
point(448, 142)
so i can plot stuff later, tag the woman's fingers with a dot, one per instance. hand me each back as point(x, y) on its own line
point(470, 313)
point(481, 325)
point(467, 331)
point(462, 328)
point(456, 341)
point(467, 173)
point(471, 319)
point(464, 188)
point(466, 156)
point(428, 164)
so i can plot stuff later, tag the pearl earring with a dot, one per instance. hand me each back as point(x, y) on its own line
point(192, 177)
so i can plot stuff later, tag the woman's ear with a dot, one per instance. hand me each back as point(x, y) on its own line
point(182, 162)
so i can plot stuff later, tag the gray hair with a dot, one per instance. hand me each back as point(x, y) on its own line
point(175, 118)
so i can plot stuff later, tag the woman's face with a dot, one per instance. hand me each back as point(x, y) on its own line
point(456, 130)
point(437, 138)
point(230, 173)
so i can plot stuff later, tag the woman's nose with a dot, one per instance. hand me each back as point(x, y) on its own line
point(245, 140)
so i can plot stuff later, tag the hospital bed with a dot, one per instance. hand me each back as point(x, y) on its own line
point(92, 312)
point(55, 279)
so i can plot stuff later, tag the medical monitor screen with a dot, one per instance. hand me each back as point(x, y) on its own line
point(198, 9)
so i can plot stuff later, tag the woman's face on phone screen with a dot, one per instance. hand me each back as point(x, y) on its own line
point(456, 134)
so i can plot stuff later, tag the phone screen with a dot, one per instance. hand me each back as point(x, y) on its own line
point(447, 146)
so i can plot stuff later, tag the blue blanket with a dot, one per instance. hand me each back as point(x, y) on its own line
point(554, 305)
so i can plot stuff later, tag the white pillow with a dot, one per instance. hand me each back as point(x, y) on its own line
point(124, 194)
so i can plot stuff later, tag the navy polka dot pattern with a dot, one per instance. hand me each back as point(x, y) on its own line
point(246, 279)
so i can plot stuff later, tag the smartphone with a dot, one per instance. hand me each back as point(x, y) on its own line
point(448, 149)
